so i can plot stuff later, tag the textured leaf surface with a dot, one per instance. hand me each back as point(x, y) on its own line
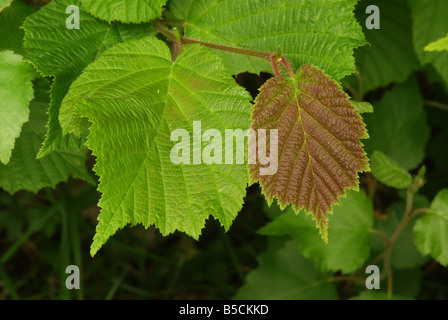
point(439, 45)
point(127, 11)
point(389, 172)
point(63, 53)
point(431, 230)
point(319, 148)
point(135, 96)
point(398, 126)
point(377, 61)
point(24, 172)
point(16, 91)
point(349, 234)
point(404, 252)
point(430, 24)
point(308, 31)
point(284, 274)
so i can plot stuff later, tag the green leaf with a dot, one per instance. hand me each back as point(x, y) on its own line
point(24, 172)
point(389, 172)
point(375, 295)
point(439, 45)
point(398, 126)
point(11, 19)
point(127, 11)
point(404, 253)
point(431, 230)
point(284, 274)
point(4, 4)
point(349, 234)
point(322, 32)
point(319, 150)
point(406, 282)
point(135, 96)
point(437, 151)
point(362, 107)
point(430, 24)
point(377, 61)
point(64, 53)
point(16, 91)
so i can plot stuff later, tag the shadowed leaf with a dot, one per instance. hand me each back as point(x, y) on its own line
point(430, 24)
point(349, 234)
point(11, 19)
point(373, 295)
point(319, 148)
point(404, 253)
point(398, 127)
point(376, 66)
point(284, 274)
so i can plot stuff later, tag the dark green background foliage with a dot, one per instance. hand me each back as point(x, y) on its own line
point(46, 224)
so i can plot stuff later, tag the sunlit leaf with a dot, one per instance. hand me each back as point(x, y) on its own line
point(16, 91)
point(127, 11)
point(439, 45)
point(135, 96)
point(322, 32)
point(24, 171)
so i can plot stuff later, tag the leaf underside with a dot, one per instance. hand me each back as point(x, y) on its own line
point(319, 148)
point(11, 19)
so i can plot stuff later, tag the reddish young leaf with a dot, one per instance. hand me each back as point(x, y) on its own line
point(319, 149)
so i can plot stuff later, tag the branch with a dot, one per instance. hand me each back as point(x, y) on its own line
point(272, 58)
point(403, 223)
point(228, 49)
point(436, 104)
